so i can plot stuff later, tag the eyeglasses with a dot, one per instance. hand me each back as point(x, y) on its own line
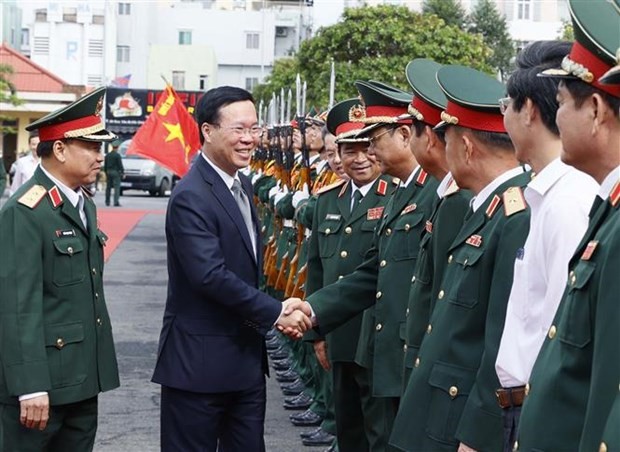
point(373, 140)
point(239, 131)
point(504, 103)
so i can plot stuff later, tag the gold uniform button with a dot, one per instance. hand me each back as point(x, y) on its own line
point(388, 231)
point(70, 250)
point(94, 270)
point(602, 447)
point(60, 343)
point(407, 311)
point(573, 280)
point(343, 254)
point(453, 391)
point(96, 295)
point(441, 294)
point(465, 262)
point(383, 263)
point(340, 276)
point(327, 231)
point(405, 348)
point(571, 274)
point(379, 294)
point(378, 327)
point(348, 230)
point(527, 389)
point(416, 363)
point(450, 259)
point(99, 322)
point(429, 328)
point(515, 448)
point(407, 227)
point(552, 332)
point(263, 229)
point(413, 279)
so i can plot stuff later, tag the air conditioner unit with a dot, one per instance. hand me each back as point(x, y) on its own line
point(281, 32)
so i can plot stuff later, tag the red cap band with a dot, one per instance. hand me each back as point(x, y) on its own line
point(579, 54)
point(348, 127)
point(477, 119)
point(58, 131)
point(432, 114)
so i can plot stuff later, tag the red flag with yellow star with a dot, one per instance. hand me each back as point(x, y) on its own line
point(169, 136)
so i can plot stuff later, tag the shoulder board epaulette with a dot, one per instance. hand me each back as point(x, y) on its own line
point(330, 187)
point(614, 195)
point(451, 188)
point(422, 175)
point(493, 206)
point(382, 187)
point(33, 196)
point(55, 197)
point(395, 180)
point(514, 201)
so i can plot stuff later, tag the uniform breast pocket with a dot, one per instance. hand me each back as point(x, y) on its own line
point(65, 354)
point(406, 241)
point(69, 262)
point(328, 237)
point(575, 323)
point(464, 288)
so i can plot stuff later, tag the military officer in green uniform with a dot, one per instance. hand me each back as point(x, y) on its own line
point(2, 178)
point(576, 375)
point(382, 281)
point(60, 355)
point(450, 396)
point(113, 166)
point(345, 216)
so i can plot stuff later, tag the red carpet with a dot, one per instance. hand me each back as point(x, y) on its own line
point(117, 223)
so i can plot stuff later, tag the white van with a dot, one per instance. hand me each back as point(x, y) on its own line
point(144, 174)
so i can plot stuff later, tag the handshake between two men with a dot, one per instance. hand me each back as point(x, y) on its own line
point(296, 318)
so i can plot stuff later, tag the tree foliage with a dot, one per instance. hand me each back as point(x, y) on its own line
point(487, 20)
point(566, 33)
point(451, 11)
point(8, 95)
point(373, 43)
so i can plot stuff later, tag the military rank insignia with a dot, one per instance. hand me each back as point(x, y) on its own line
point(474, 240)
point(382, 187)
point(55, 197)
point(589, 251)
point(421, 179)
point(614, 196)
point(374, 213)
point(493, 206)
point(514, 201)
point(33, 196)
point(409, 208)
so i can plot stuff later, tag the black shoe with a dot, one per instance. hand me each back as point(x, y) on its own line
point(333, 447)
point(322, 438)
point(287, 377)
point(309, 433)
point(107, 204)
point(306, 419)
point(273, 343)
point(294, 388)
point(279, 354)
point(117, 205)
point(284, 364)
point(300, 402)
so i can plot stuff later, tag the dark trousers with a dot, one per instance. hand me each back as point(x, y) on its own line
point(71, 427)
point(113, 181)
point(511, 417)
point(226, 422)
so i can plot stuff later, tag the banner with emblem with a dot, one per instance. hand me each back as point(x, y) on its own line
point(169, 136)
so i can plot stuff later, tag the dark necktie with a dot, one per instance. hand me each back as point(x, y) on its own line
point(244, 207)
point(357, 197)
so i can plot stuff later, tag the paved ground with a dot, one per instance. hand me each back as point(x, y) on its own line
point(135, 281)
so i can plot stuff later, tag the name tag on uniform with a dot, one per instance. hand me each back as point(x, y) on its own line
point(589, 251)
point(474, 240)
point(333, 216)
point(65, 233)
point(374, 213)
point(409, 208)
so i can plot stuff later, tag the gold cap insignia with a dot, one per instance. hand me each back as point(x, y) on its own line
point(357, 113)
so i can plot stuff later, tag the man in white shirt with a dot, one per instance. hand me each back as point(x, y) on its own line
point(25, 166)
point(559, 197)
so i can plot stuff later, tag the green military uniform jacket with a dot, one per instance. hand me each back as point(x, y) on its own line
point(2, 178)
point(55, 329)
point(113, 163)
point(439, 232)
point(451, 392)
point(382, 281)
point(611, 435)
point(335, 229)
point(577, 372)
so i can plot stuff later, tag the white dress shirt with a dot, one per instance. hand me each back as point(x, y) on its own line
point(443, 185)
point(24, 169)
point(364, 189)
point(559, 198)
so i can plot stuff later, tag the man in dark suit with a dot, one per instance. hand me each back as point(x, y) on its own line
point(212, 360)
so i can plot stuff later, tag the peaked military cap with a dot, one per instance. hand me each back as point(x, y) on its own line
point(341, 121)
point(384, 104)
point(80, 119)
point(612, 76)
point(473, 99)
point(596, 24)
point(428, 98)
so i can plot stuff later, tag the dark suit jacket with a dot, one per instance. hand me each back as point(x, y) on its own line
point(215, 318)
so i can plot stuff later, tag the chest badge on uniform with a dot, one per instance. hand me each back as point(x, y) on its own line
point(589, 251)
point(65, 233)
point(374, 213)
point(474, 240)
point(409, 208)
point(333, 216)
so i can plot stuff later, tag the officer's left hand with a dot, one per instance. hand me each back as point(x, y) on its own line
point(465, 448)
point(34, 413)
point(320, 350)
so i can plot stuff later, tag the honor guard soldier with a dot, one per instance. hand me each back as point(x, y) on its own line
point(451, 390)
point(60, 355)
point(382, 281)
point(576, 375)
point(345, 217)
